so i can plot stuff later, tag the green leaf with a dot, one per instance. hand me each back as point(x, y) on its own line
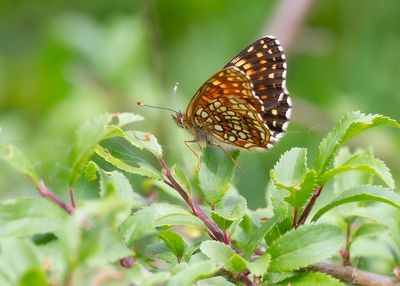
point(90, 171)
point(87, 137)
point(215, 281)
point(126, 118)
point(27, 216)
point(310, 278)
point(17, 258)
point(362, 194)
point(232, 207)
point(149, 217)
point(216, 173)
point(280, 207)
point(349, 179)
point(303, 246)
point(259, 235)
point(291, 168)
point(180, 176)
point(369, 229)
point(90, 237)
point(193, 272)
point(260, 266)
point(291, 173)
point(155, 279)
point(191, 250)
point(34, 277)
point(301, 194)
point(18, 160)
point(175, 242)
point(362, 162)
point(349, 126)
point(223, 255)
point(144, 140)
point(144, 170)
point(116, 184)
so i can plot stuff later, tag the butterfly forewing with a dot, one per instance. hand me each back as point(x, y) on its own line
point(246, 104)
point(226, 107)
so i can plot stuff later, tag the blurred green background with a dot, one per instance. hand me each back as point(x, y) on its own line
point(62, 62)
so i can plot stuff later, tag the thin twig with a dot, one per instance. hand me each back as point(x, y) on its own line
point(352, 275)
point(295, 214)
point(45, 192)
point(214, 231)
point(71, 197)
point(244, 279)
point(345, 250)
point(309, 206)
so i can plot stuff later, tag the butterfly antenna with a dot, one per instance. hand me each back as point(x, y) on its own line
point(140, 103)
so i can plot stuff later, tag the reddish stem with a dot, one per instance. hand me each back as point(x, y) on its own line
point(71, 198)
point(214, 231)
point(345, 251)
point(295, 214)
point(45, 192)
point(309, 206)
point(244, 279)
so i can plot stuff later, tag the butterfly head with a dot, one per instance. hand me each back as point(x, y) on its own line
point(179, 118)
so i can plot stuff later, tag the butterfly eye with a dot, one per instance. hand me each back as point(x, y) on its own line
point(178, 117)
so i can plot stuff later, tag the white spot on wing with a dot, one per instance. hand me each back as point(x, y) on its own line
point(288, 113)
point(289, 101)
point(285, 125)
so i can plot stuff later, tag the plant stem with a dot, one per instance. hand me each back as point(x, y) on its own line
point(344, 251)
point(45, 192)
point(309, 206)
point(295, 214)
point(354, 276)
point(214, 231)
point(71, 198)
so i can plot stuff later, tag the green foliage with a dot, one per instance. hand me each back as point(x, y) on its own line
point(362, 194)
point(312, 278)
point(175, 242)
point(291, 173)
point(15, 157)
point(304, 246)
point(215, 173)
point(122, 232)
point(349, 126)
point(223, 255)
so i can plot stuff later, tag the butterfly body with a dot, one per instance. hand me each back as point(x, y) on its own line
point(244, 105)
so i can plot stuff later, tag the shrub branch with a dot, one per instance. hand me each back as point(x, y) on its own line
point(45, 192)
point(352, 275)
point(309, 206)
point(214, 231)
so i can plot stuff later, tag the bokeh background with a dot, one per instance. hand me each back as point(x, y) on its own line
point(62, 62)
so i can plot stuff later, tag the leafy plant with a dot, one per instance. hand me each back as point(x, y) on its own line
point(123, 237)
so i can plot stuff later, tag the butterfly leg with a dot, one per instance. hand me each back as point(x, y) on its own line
point(197, 155)
point(226, 153)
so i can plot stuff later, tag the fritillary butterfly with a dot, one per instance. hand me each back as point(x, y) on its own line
point(246, 104)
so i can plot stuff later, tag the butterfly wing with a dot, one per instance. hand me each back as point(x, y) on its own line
point(226, 108)
point(246, 104)
point(265, 65)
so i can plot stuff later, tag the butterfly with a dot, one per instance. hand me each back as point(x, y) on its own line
point(245, 104)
